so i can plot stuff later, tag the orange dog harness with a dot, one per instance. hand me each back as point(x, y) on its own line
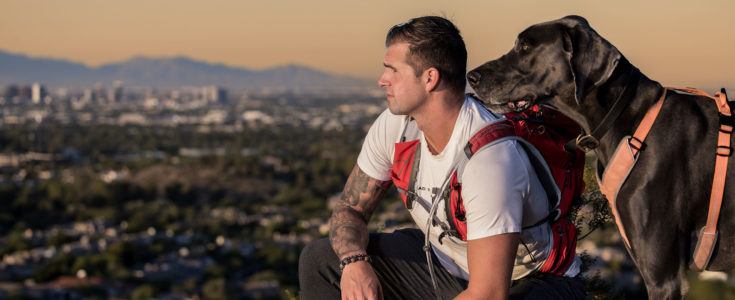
point(626, 155)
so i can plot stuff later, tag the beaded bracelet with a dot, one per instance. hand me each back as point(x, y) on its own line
point(354, 258)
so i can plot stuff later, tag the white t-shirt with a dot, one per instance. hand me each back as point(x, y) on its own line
point(500, 189)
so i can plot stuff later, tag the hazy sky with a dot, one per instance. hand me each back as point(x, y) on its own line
point(675, 42)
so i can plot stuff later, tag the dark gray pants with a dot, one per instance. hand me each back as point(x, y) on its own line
point(401, 267)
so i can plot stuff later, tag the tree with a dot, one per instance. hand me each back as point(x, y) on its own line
point(143, 292)
point(215, 289)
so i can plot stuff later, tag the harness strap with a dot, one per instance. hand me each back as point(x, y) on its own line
point(709, 233)
point(624, 159)
point(636, 142)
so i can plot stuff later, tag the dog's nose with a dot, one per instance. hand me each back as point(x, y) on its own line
point(473, 77)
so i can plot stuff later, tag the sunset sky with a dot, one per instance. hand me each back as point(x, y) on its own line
point(675, 42)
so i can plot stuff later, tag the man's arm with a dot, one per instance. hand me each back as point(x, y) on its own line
point(490, 262)
point(349, 235)
point(493, 188)
point(348, 225)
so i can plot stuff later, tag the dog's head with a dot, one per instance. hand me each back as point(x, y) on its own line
point(555, 62)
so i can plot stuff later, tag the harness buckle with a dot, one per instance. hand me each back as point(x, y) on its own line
point(587, 142)
point(540, 130)
point(727, 129)
point(468, 150)
point(445, 233)
point(727, 120)
point(725, 151)
point(636, 143)
point(409, 199)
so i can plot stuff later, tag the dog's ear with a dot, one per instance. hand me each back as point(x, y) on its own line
point(575, 20)
point(591, 57)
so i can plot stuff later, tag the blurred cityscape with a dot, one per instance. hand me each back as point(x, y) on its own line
point(198, 192)
point(117, 192)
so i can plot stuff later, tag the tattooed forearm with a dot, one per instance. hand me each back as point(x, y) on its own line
point(347, 231)
point(348, 224)
point(363, 193)
point(357, 183)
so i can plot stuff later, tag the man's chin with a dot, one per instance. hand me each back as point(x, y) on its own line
point(395, 111)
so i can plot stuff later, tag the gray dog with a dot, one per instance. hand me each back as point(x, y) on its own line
point(663, 204)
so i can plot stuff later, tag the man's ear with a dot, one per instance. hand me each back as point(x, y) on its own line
point(431, 78)
point(592, 58)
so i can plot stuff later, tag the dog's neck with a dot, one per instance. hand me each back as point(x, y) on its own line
point(626, 83)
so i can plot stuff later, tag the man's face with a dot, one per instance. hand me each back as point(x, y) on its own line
point(404, 91)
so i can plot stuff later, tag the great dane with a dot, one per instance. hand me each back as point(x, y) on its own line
point(663, 204)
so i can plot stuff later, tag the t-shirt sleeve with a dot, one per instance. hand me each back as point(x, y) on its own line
point(494, 185)
point(377, 150)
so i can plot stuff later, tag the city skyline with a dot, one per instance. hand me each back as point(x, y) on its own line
point(676, 44)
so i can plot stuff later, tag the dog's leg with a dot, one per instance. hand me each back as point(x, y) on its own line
point(658, 248)
point(661, 270)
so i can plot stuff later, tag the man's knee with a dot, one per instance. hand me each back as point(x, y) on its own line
point(316, 254)
point(545, 286)
point(318, 271)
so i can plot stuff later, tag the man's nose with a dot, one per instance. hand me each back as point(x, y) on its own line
point(473, 77)
point(382, 82)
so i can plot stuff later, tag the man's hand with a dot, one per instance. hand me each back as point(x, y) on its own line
point(349, 235)
point(359, 282)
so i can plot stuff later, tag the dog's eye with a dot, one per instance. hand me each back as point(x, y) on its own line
point(522, 45)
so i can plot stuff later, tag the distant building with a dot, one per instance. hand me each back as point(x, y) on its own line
point(24, 92)
point(115, 94)
point(214, 93)
point(38, 92)
point(10, 91)
point(131, 118)
point(215, 116)
point(100, 94)
point(88, 95)
point(256, 116)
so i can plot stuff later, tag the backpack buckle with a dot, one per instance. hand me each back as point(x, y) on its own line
point(587, 142)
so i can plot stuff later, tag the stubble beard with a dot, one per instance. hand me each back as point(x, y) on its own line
point(404, 108)
point(395, 108)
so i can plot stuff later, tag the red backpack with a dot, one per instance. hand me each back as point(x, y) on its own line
point(549, 131)
point(543, 133)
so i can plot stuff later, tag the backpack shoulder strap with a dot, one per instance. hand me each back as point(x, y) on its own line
point(504, 130)
point(553, 194)
point(409, 129)
point(490, 134)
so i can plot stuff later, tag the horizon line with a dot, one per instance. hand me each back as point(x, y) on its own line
point(175, 56)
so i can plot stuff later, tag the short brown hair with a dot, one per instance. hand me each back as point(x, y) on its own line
point(433, 42)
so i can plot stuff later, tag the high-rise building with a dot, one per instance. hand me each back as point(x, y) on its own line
point(38, 92)
point(214, 93)
point(115, 94)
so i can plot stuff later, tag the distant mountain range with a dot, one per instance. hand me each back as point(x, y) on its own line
point(165, 72)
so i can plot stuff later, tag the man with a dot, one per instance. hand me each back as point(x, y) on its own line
point(424, 81)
